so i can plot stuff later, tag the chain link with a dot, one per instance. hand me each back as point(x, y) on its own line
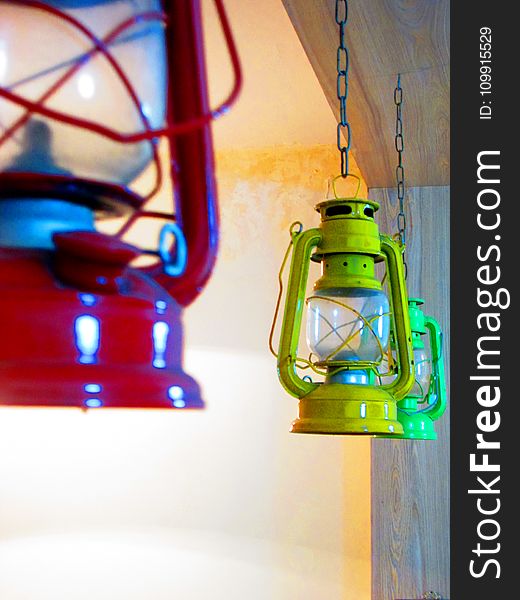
point(342, 64)
point(399, 171)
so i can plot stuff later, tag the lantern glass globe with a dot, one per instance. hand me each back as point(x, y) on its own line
point(423, 371)
point(351, 324)
point(39, 49)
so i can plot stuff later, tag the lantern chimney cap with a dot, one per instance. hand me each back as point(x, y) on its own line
point(415, 301)
point(417, 323)
point(351, 208)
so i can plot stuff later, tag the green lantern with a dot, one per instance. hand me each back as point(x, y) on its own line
point(348, 324)
point(426, 401)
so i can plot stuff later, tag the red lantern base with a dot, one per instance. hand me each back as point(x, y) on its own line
point(61, 346)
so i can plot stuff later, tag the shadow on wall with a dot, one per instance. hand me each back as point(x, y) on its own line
point(220, 504)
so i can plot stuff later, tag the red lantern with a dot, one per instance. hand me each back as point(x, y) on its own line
point(87, 87)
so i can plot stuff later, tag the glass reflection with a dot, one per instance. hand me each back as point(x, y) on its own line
point(160, 337)
point(176, 393)
point(86, 328)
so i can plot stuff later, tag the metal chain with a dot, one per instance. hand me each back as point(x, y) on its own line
point(342, 62)
point(399, 171)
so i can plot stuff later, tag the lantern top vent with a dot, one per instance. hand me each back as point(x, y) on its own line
point(348, 226)
point(350, 208)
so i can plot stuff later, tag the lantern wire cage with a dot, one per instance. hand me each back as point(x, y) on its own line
point(351, 331)
point(103, 47)
point(434, 382)
point(348, 332)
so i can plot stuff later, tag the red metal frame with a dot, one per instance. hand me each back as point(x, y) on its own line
point(188, 130)
point(45, 295)
point(192, 165)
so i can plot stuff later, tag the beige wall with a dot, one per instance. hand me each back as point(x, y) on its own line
point(225, 503)
point(220, 504)
point(281, 100)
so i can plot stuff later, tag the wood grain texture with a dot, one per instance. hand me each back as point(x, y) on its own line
point(387, 37)
point(410, 480)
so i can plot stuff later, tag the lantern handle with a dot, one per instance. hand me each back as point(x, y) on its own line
point(438, 384)
point(303, 244)
point(405, 379)
point(334, 179)
point(192, 163)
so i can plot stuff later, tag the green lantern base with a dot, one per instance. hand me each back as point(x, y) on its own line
point(339, 409)
point(416, 426)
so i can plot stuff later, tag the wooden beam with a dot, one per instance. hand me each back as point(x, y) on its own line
point(386, 38)
point(410, 479)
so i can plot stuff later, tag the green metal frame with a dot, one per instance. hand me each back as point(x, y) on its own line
point(419, 423)
point(438, 383)
point(339, 408)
